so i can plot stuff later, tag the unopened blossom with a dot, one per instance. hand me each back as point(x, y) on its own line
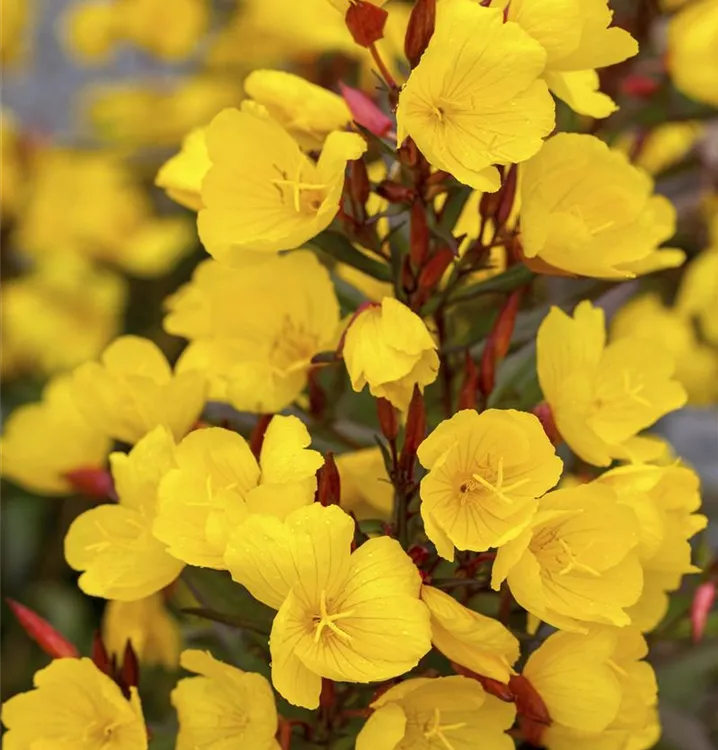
point(113, 545)
point(485, 472)
point(444, 712)
point(476, 98)
point(181, 176)
point(74, 705)
point(342, 615)
point(217, 483)
point(577, 562)
point(602, 395)
point(389, 348)
point(262, 192)
point(587, 211)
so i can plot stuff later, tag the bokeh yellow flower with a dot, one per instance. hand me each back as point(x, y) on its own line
point(485, 472)
point(698, 293)
point(366, 488)
point(181, 176)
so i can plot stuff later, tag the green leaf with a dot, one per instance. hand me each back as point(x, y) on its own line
point(235, 621)
point(338, 247)
point(511, 279)
point(452, 208)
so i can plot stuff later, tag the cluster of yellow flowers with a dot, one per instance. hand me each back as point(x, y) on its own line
point(486, 588)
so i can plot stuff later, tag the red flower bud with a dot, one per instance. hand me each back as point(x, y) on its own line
point(365, 22)
point(432, 273)
point(419, 554)
point(395, 192)
point(50, 640)
point(359, 186)
point(507, 196)
point(388, 419)
point(498, 342)
point(93, 482)
point(256, 439)
point(639, 86)
point(703, 601)
point(408, 279)
point(467, 394)
point(533, 714)
point(415, 431)
point(129, 675)
point(418, 234)
point(328, 482)
point(100, 657)
point(545, 416)
point(493, 687)
point(365, 112)
point(420, 30)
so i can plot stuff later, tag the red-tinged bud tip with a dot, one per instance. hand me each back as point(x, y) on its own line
point(365, 112)
point(129, 675)
point(92, 482)
point(419, 30)
point(415, 430)
point(365, 22)
point(100, 657)
point(359, 185)
point(470, 384)
point(419, 554)
point(499, 341)
point(498, 689)
point(529, 703)
point(328, 482)
point(703, 601)
point(395, 192)
point(433, 272)
point(545, 416)
point(52, 642)
point(388, 419)
point(256, 439)
point(640, 86)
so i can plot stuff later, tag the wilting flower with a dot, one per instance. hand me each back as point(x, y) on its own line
point(485, 472)
point(133, 389)
point(262, 193)
point(44, 441)
point(218, 483)
point(586, 210)
point(692, 52)
point(578, 561)
point(366, 490)
point(389, 347)
point(665, 500)
point(113, 545)
point(577, 40)
point(445, 712)
point(470, 639)
point(181, 176)
point(147, 625)
point(347, 616)
point(602, 396)
point(476, 98)
point(74, 705)
point(223, 706)
point(257, 355)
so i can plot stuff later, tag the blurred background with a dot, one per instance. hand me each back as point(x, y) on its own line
point(96, 96)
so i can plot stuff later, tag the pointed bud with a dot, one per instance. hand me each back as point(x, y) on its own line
point(50, 640)
point(100, 657)
point(328, 482)
point(703, 601)
point(365, 22)
point(388, 419)
point(470, 384)
point(415, 431)
point(498, 342)
point(528, 702)
point(493, 687)
point(129, 675)
point(418, 234)
point(640, 86)
point(256, 439)
point(433, 272)
point(420, 30)
point(545, 416)
point(365, 112)
point(359, 185)
point(507, 196)
point(394, 192)
point(419, 554)
point(489, 205)
point(92, 482)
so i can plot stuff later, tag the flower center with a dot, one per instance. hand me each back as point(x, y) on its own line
point(476, 487)
point(306, 196)
point(555, 554)
point(326, 620)
point(435, 730)
point(292, 346)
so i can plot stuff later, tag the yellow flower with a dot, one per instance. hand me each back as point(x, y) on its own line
point(223, 706)
point(587, 211)
point(365, 485)
point(646, 317)
point(62, 313)
point(470, 639)
point(582, 694)
point(445, 712)
point(262, 192)
point(132, 390)
point(664, 146)
point(306, 111)
point(577, 40)
point(699, 291)
point(74, 706)
point(257, 355)
point(347, 616)
point(45, 440)
point(390, 348)
point(372, 289)
point(485, 472)
point(343, 5)
point(181, 176)
point(476, 99)
point(113, 545)
point(147, 625)
point(13, 174)
point(578, 561)
point(665, 500)
point(16, 18)
point(218, 483)
point(91, 32)
point(602, 396)
point(693, 51)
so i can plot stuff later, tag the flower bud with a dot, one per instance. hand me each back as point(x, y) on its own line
point(388, 419)
point(498, 342)
point(100, 656)
point(703, 601)
point(507, 196)
point(365, 112)
point(493, 687)
point(533, 714)
point(50, 640)
point(420, 30)
point(92, 482)
point(129, 675)
point(470, 385)
point(359, 186)
point(328, 482)
point(415, 431)
point(395, 192)
point(545, 416)
point(365, 22)
point(432, 273)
